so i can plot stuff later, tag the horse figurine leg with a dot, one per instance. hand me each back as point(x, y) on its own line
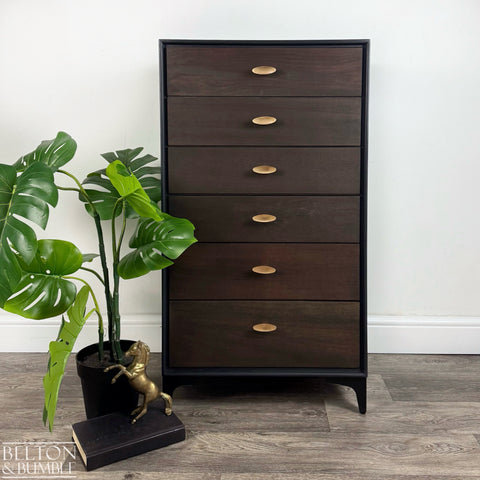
point(168, 403)
point(123, 371)
point(148, 397)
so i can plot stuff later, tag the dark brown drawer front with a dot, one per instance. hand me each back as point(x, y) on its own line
point(228, 121)
point(291, 218)
point(304, 271)
point(205, 70)
point(306, 170)
point(220, 334)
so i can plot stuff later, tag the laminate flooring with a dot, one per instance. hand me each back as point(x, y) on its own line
point(422, 422)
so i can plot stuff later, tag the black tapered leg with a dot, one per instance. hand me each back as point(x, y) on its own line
point(359, 385)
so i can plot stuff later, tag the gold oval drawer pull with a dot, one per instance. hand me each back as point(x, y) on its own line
point(265, 120)
point(263, 70)
point(264, 218)
point(264, 269)
point(264, 327)
point(264, 169)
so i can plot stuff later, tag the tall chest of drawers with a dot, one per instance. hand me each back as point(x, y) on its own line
point(264, 149)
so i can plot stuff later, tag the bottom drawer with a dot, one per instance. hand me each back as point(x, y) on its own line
point(220, 334)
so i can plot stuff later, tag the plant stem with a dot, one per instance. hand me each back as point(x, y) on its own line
point(77, 182)
point(69, 189)
point(106, 283)
point(116, 275)
point(122, 234)
point(103, 258)
point(116, 247)
point(94, 273)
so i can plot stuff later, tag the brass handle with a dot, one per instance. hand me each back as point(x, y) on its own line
point(263, 70)
point(264, 327)
point(265, 120)
point(264, 218)
point(264, 269)
point(264, 169)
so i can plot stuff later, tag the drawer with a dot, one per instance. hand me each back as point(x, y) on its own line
point(228, 170)
point(304, 271)
point(271, 218)
point(320, 121)
point(227, 70)
point(220, 334)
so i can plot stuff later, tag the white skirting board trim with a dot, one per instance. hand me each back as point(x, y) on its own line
point(423, 334)
point(18, 334)
point(386, 333)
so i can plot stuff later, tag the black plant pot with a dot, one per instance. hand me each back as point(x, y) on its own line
point(99, 395)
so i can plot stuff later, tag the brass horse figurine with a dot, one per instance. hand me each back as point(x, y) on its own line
point(139, 381)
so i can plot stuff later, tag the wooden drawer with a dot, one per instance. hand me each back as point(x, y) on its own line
point(227, 70)
point(290, 218)
point(228, 170)
point(328, 121)
point(220, 334)
point(304, 271)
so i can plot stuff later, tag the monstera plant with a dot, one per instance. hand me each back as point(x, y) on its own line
point(46, 278)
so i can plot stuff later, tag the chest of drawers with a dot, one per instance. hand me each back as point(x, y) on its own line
point(264, 149)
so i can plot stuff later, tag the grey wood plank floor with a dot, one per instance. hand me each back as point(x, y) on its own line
point(423, 422)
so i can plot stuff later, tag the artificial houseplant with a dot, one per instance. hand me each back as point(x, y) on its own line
point(39, 278)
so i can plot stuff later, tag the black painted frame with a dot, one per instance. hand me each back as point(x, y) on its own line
point(354, 378)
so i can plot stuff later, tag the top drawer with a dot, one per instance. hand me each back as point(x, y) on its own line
point(227, 71)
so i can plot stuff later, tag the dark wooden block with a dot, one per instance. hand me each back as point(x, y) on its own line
point(110, 438)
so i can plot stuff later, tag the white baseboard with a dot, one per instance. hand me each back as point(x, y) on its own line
point(18, 334)
point(386, 334)
point(423, 334)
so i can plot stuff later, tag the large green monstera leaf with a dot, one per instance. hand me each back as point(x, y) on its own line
point(155, 244)
point(26, 190)
point(105, 195)
point(60, 350)
point(42, 291)
point(52, 153)
point(25, 196)
point(22, 197)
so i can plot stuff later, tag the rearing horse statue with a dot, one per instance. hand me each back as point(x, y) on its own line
point(139, 381)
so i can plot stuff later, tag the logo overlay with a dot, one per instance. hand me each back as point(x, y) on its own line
point(37, 460)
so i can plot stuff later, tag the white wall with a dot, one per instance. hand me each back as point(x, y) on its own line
point(91, 68)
